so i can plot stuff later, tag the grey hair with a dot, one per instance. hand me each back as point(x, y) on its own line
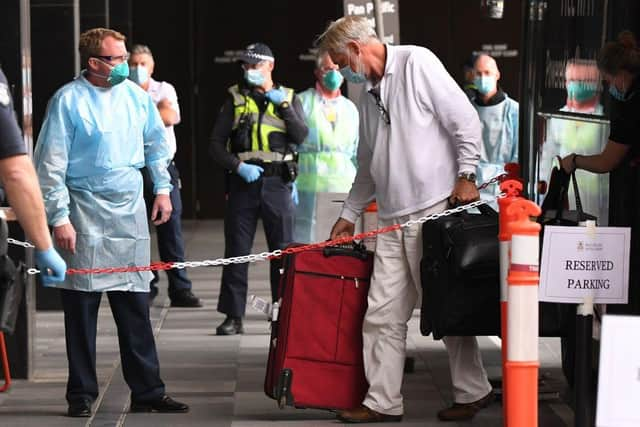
point(343, 31)
point(319, 58)
point(137, 49)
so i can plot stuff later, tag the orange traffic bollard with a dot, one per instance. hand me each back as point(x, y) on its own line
point(522, 362)
point(512, 189)
point(370, 223)
point(512, 171)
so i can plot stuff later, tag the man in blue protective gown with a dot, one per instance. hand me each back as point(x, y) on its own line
point(99, 130)
point(499, 116)
point(327, 157)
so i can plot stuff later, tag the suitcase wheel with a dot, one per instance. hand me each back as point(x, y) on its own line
point(283, 390)
point(282, 402)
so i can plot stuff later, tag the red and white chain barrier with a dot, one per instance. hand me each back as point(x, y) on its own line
point(265, 256)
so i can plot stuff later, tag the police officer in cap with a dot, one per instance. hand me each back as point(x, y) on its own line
point(255, 138)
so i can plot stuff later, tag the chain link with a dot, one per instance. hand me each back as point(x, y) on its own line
point(266, 256)
point(19, 243)
point(494, 180)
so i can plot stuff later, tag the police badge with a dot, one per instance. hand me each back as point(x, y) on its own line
point(5, 97)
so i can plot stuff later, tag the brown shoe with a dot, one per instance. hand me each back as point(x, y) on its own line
point(362, 414)
point(465, 411)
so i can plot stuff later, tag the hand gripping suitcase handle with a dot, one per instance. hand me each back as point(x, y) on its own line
point(484, 209)
point(355, 250)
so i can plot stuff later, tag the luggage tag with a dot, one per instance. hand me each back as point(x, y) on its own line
point(261, 305)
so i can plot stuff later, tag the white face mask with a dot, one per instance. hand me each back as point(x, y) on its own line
point(139, 74)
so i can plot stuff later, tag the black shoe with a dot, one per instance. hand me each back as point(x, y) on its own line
point(156, 277)
point(163, 404)
point(184, 298)
point(230, 326)
point(80, 409)
point(153, 292)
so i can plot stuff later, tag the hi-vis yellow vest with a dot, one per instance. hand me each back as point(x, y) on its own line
point(261, 126)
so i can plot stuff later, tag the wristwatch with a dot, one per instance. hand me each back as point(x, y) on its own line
point(284, 105)
point(469, 176)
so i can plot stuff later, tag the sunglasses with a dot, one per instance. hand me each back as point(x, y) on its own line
point(375, 92)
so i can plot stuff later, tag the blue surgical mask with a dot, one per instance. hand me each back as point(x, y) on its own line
point(617, 93)
point(354, 77)
point(485, 84)
point(581, 91)
point(254, 77)
point(139, 74)
point(332, 80)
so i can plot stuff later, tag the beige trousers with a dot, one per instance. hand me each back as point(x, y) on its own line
point(394, 292)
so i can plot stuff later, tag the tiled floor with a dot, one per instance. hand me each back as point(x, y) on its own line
point(221, 378)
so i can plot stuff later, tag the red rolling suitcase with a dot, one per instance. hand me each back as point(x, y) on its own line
point(315, 356)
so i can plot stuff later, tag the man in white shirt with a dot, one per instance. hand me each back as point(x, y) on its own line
point(420, 142)
point(170, 242)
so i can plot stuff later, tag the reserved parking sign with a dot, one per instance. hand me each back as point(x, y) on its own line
point(583, 262)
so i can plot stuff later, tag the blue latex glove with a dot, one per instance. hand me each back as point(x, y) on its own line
point(52, 267)
point(277, 96)
point(294, 194)
point(249, 172)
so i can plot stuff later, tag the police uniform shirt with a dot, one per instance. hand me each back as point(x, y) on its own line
point(293, 117)
point(163, 90)
point(11, 142)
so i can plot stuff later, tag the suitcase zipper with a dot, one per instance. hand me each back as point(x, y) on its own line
point(357, 280)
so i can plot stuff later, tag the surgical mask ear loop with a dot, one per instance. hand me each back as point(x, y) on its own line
point(102, 76)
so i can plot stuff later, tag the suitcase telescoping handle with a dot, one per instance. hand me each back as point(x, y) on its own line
point(355, 250)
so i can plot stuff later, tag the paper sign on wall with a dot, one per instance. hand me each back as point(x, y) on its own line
point(581, 262)
point(619, 377)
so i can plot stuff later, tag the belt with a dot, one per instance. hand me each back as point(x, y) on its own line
point(272, 169)
point(265, 156)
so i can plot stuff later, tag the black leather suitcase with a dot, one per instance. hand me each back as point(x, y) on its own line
point(461, 275)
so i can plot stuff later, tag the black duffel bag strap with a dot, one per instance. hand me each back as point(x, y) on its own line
point(576, 192)
point(562, 180)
